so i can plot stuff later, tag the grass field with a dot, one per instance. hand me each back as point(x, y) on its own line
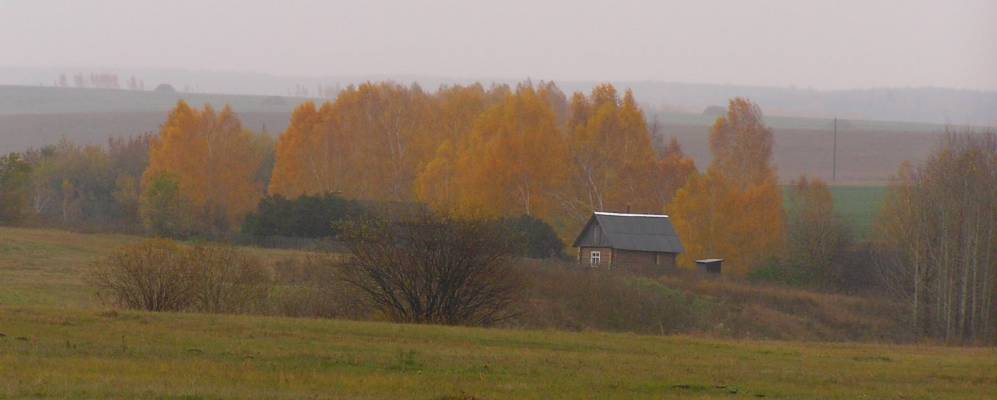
point(57, 342)
point(51, 353)
point(859, 206)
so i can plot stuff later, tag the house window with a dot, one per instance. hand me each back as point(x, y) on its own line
point(595, 257)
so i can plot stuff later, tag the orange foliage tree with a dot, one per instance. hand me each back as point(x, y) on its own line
point(456, 109)
point(733, 211)
point(515, 160)
point(475, 151)
point(368, 144)
point(212, 159)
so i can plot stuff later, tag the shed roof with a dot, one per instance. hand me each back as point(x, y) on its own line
point(638, 232)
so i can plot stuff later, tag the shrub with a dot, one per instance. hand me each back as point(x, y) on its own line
point(161, 275)
point(306, 216)
point(433, 270)
point(534, 238)
point(164, 210)
point(310, 286)
point(15, 180)
point(229, 280)
point(155, 275)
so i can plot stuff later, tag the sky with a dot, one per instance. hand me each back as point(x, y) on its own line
point(809, 44)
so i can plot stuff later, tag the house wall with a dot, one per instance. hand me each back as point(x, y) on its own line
point(645, 262)
point(585, 254)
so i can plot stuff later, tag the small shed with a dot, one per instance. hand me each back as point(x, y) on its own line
point(710, 265)
point(639, 241)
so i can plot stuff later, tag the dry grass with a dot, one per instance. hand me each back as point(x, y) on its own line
point(56, 342)
point(49, 353)
point(772, 312)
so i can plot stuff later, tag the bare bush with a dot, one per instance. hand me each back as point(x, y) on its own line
point(229, 281)
point(161, 275)
point(433, 270)
point(154, 275)
point(310, 286)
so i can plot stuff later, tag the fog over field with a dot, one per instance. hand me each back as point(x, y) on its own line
point(921, 61)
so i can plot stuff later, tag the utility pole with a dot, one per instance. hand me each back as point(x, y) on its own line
point(834, 153)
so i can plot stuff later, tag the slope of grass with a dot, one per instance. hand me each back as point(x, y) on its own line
point(45, 267)
point(57, 342)
point(858, 205)
point(50, 353)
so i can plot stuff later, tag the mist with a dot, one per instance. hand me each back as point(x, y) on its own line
point(821, 45)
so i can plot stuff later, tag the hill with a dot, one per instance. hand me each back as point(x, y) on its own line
point(57, 100)
point(56, 341)
point(918, 104)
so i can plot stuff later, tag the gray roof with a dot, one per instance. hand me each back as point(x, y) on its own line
point(639, 232)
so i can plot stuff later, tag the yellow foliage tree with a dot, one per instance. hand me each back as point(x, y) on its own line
point(674, 170)
point(734, 211)
point(615, 164)
point(515, 161)
point(213, 160)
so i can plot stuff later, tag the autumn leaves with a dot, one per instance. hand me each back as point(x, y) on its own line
point(202, 173)
point(477, 153)
point(480, 153)
point(734, 210)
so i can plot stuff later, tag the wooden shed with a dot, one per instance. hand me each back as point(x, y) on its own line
point(645, 242)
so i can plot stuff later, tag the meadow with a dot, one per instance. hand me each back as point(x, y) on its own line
point(57, 341)
point(858, 206)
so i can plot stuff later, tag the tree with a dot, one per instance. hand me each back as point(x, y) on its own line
point(674, 170)
point(741, 144)
point(369, 144)
point(433, 270)
point(15, 184)
point(164, 210)
point(73, 185)
point(816, 235)
point(306, 216)
point(937, 238)
point(457, 108)
point(715, 218)
point(615, 165)
point(515, 161)
point(733, 211)
point(213, 161)
point(533, 237)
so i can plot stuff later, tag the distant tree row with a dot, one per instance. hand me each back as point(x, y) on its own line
point(99, 81)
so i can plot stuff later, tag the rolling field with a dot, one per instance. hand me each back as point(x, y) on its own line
point(57, 342)
point(53, 353)
point(858, 206)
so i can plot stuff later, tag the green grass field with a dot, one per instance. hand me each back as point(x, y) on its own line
point(858, 206)
point(57, 342)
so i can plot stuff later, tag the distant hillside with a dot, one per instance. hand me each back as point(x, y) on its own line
point(924, 105)
point(868, 151)
point(53, 100)
point(22, 131)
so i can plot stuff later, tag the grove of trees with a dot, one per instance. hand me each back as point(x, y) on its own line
point(938, 239)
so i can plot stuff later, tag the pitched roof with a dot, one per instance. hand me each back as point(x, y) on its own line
point(638, 232)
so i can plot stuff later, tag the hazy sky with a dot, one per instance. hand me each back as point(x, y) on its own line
point(826, 44)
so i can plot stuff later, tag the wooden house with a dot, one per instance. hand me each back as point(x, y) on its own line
point(642, 242)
